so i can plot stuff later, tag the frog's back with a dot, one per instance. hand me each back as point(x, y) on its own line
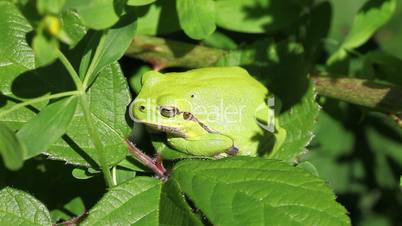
point(234, 95)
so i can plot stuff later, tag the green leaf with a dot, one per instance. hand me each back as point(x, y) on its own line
point(45, 49)
point(373, 15)
point(159, 18)
point(309, 167)
point(20, 208)
point(97, 14)
point(72, 26)
point(75, 206)
point(141, 201)
point(16, 55)
point(116, 41)
point(108, 96)
point(81, 173)
point(220, 40)
point(139, 2)
point(48, 126)
point(10, 148)
point(196, 17)
point(299, 122)
point(50, 6)
point(256, 16)
point(256, 191)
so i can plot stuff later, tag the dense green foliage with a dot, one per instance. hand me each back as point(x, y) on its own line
point(65, 86)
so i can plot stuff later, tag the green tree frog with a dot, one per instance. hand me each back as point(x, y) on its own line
point(211, 112)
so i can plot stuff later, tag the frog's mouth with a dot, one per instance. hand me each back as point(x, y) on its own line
point(166, 129)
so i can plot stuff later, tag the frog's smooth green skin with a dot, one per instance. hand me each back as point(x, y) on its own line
point(208, 111)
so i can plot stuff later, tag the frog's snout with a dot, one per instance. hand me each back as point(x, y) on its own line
point(137, 110)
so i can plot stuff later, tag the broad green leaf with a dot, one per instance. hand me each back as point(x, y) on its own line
point(256, 191)
point(11, 149)
point(196, 17)
point(256, 16)
point(142, 201)
point(116, 41)
point(20, 208)
point(48, 126)
point(108, 96)
point(139, 2)
point(15, 53)
point(97, 14)
point(50, 6)
point(373, 15)
point(159, 18)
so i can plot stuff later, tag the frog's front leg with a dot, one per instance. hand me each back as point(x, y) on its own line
point(209, 144)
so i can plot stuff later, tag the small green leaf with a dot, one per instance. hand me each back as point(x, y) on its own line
point(309, 167)
point(20, 208)
point(10, 148)
point(45, 49)
point(139, 2)
point(220, 40)
point(196, 17)
point(48, 126)
point(96, 14)
point(81, 173)
point(49, 6)
point(72, 26)
point(256, 191)
point(373, 15)
point(116, 41)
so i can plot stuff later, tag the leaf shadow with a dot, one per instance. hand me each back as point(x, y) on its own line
point(41, 81)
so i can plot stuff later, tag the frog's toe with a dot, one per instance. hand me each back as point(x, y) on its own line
point(233, 150)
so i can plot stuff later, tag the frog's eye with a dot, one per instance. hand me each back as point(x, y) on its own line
point(169, 111)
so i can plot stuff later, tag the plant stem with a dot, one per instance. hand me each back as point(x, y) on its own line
point(387, 98)
point(74, 75)
point(96, 141)
point(94, 62)
point(37, 100)
point(165, 53)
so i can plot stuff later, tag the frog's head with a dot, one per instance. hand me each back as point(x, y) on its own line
point(162, 104)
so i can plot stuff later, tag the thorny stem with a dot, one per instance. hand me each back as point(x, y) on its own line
point(155, 165)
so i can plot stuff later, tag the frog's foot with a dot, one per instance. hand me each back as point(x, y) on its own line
point(232, 151)
point(155, 165)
